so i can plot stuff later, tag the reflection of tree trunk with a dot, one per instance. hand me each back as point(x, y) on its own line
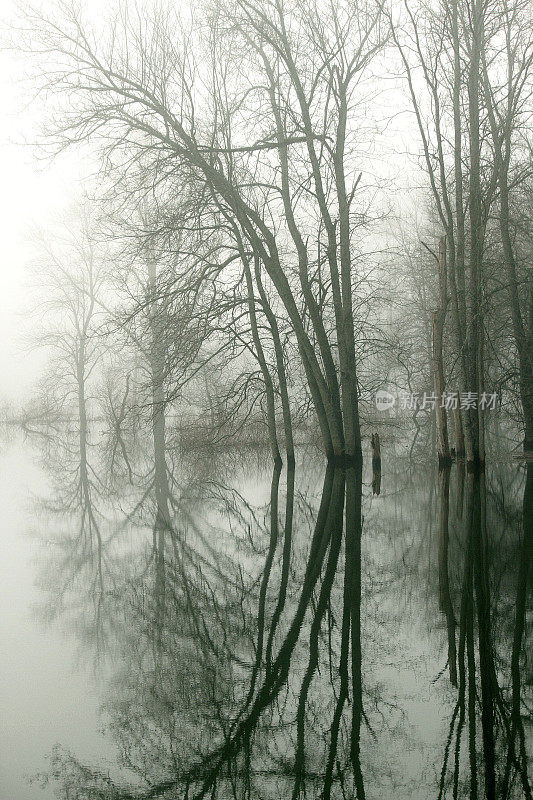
point(524, 567)
point(336, 524)
point(471, 661)
point(486, 664)
point(445, 599)
point(285, 566)
point(466, 669)
point(351, 630)
point(85, 481)
point(273, 542)
point(332, 498)
point(465, 613)
point(354, 483)
point(469, 632)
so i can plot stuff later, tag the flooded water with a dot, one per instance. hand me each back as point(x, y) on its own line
point(216, 630)
point(48, 693)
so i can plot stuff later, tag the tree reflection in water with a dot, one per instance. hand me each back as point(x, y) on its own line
point(253, 644)
point(496, 767)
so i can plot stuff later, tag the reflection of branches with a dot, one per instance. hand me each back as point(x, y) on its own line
point(205, 608)
point(270, 688)
point(490, 698)
point(286, 560)
point(336, 523)
point(516, 724)
point(264, 581)
point(117, 411)
point(445, 600)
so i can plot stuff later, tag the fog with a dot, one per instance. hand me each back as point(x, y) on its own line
point(266, 400)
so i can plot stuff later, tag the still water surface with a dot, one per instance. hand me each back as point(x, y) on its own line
point(166, 651)
point(47, 691)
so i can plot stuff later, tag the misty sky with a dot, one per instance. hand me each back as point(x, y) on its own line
point(36, 191)
point(33, 191)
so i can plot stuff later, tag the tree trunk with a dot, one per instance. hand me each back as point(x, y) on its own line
point(474, 322)
point(280, 366)
point(260, 355)
point(459, 434)
point(439, 317)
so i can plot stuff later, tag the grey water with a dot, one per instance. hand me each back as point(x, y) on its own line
point(130, 647)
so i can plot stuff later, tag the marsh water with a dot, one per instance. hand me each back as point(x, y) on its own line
point(240, 645)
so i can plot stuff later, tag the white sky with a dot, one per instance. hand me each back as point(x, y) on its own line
point(32, 191)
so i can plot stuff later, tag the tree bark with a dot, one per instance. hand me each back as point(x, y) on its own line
point(439, 318)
